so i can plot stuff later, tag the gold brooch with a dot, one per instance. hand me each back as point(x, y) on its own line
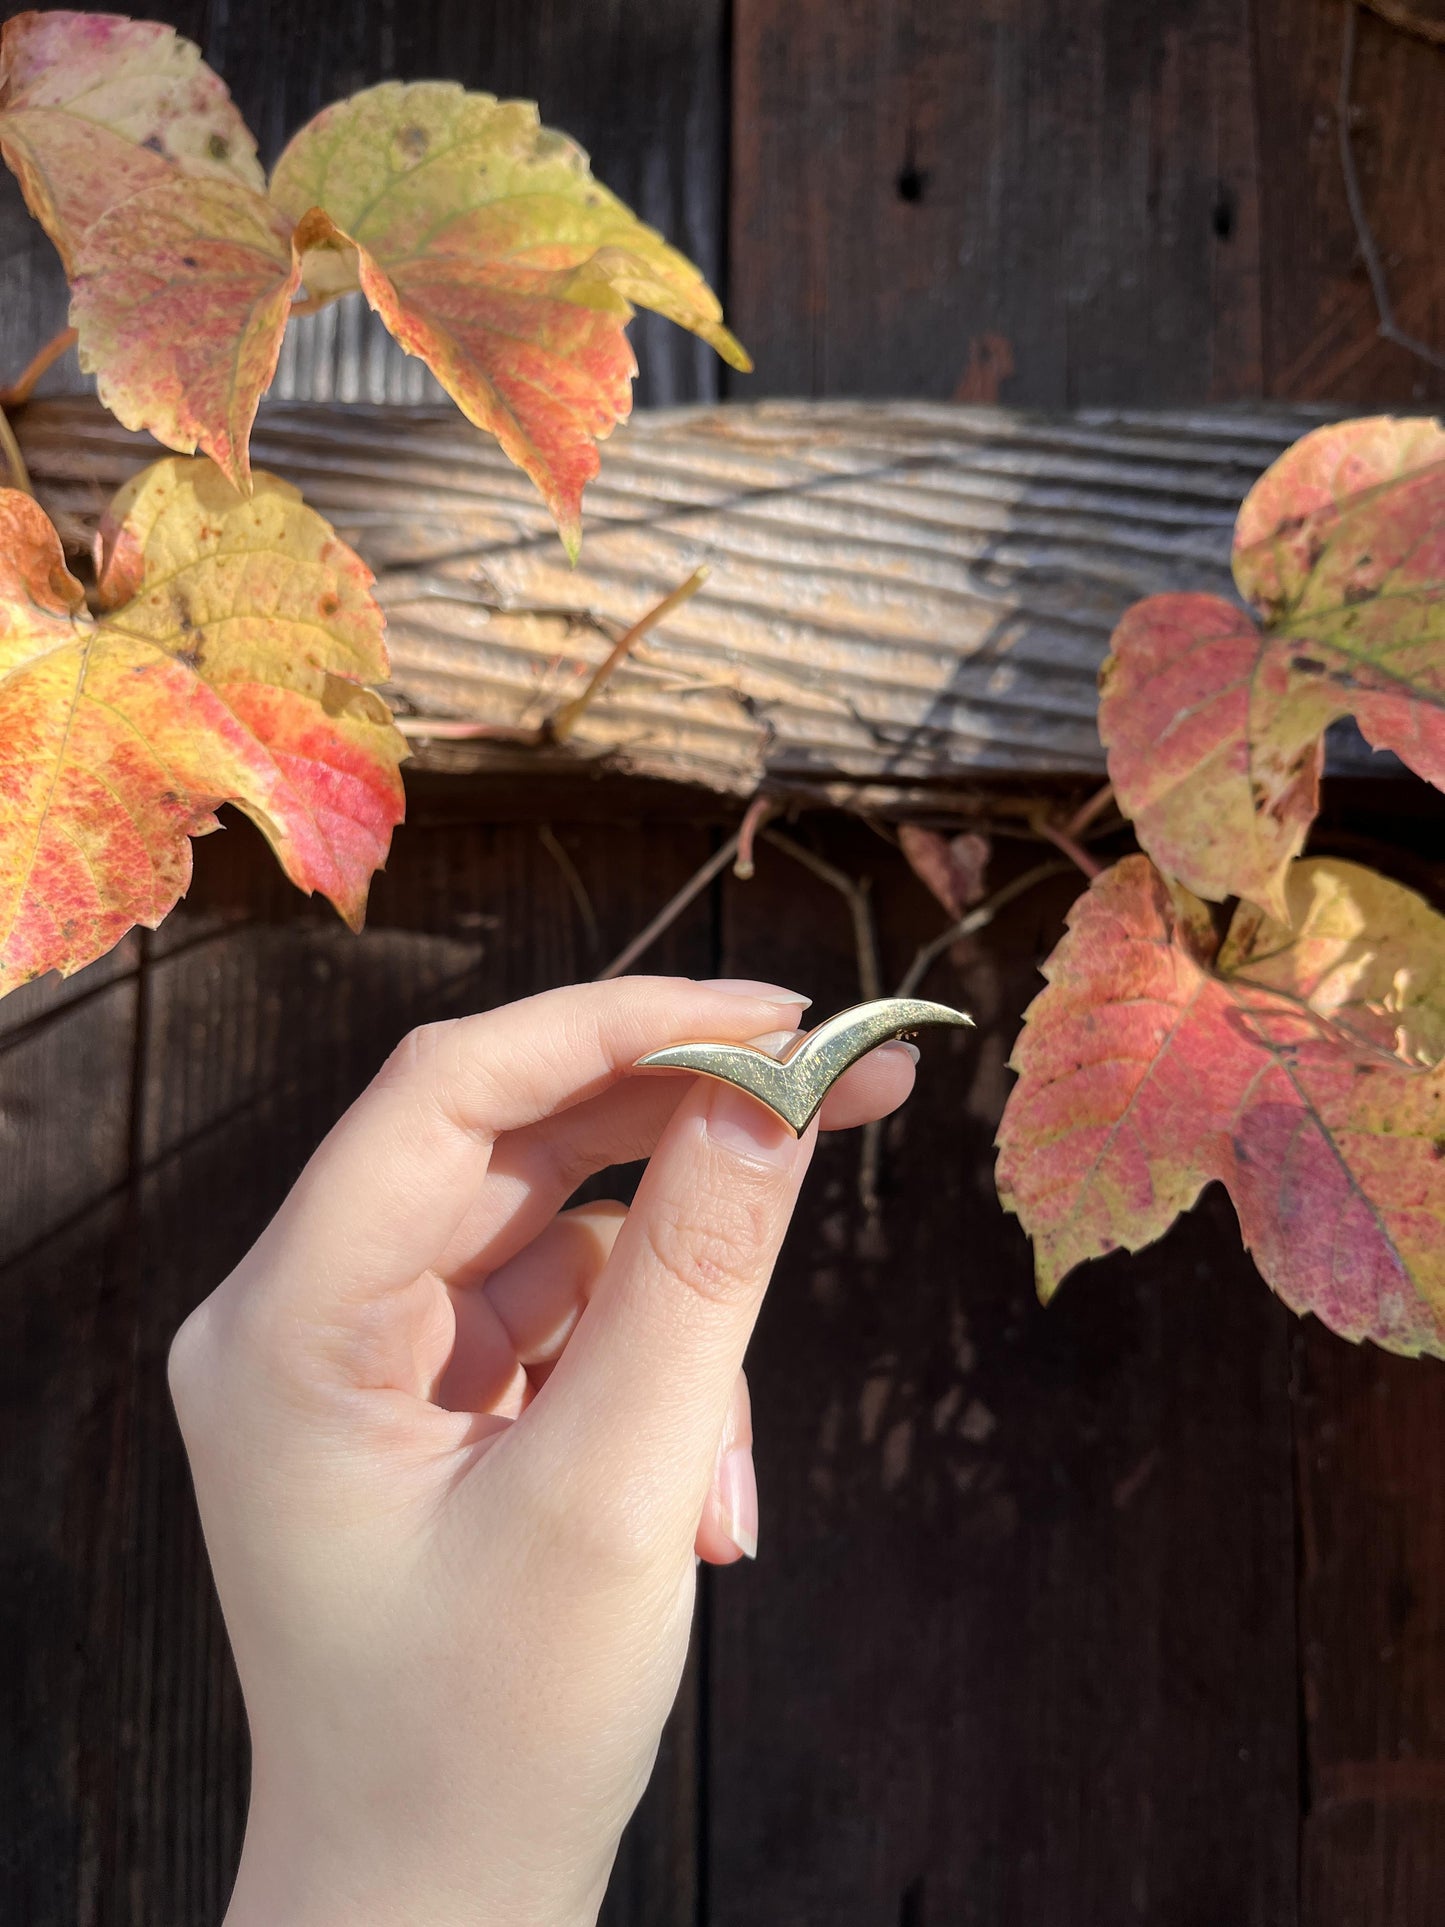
point(794, 1085)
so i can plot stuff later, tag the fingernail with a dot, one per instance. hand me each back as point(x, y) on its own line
point(737, 1489)
point(741, 1124)
point(902, 1043)
point(750, 987)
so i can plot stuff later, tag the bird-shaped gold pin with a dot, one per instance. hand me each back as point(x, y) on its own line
point(794, 1085)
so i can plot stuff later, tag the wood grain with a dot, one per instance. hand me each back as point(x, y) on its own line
point(1320, 319)
point(901, 597)
point(1040, 1563)
point(1077, 185)
point(66, 1055)
point(1372, 1635)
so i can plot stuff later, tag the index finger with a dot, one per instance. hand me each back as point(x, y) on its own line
point(389, 1185)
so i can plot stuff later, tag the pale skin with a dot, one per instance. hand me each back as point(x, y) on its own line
point(458, 1450)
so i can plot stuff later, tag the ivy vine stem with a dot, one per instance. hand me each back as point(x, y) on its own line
point(15, 461)
point(23, 387)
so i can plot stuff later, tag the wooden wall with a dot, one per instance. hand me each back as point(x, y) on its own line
point(1134, 1610)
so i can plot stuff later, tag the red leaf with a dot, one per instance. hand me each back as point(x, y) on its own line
point(1213, 752)
point(1214, 724)
point(953, 868)
point(1293, 512)
point(1145, 1072)
point(478, 235)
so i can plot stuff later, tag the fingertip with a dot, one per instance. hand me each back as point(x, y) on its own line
point(875, 1086)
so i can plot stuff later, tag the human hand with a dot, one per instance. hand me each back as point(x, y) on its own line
point(454, 1448)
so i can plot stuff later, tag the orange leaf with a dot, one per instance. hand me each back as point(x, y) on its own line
point(94, 107)
point(1153, 1065)
point(1213, 723)
point(484, 243)
point(227, 666)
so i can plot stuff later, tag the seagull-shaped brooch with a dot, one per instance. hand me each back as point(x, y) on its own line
point(794, 1085)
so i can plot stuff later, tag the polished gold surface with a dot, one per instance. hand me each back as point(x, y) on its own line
point(795, 1084)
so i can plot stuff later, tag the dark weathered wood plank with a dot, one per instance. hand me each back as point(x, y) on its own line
point(1052, 206)
point(1372, 1633)
point(1321, 339)
point(66, 1057)
point(1019, 1644)
point(63, 1148)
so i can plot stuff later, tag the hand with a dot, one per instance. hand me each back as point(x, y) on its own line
point(454, 1448)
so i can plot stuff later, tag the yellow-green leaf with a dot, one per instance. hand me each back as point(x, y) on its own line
point(1358, 948)
point(227, 665)
point(484, 243)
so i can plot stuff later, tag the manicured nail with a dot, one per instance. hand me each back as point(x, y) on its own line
point(742, 1125)
point(749, 987)
point(737, 1487)
point(902, 1043)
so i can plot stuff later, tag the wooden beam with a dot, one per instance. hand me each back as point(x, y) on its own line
point(902, 597)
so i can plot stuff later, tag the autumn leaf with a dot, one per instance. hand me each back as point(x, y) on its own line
point(95, 107)
point(1218, 769)
point(952, 867)
point(478, 235)
point(135, 161)
point(1359, 948)
point(1214, 723)
point(1295, 510)
point(227, 664)
point(182, 296)
point(482, 240)
point(1155, 1063)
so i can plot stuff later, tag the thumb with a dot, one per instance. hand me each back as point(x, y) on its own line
point(639, 1397)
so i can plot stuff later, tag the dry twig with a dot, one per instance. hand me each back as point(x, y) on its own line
point(758, 812)
point(23, 387)
point(984, 913)
point(571, 876)
point(671, 910)
point(559, 726)
point(15, 461)
point(1388, 328)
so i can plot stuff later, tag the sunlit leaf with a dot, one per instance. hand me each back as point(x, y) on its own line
point(181, 300)
point(1360, 948)
point(1213, 723)
point(94, 107)
point(1294, 511)
point(478, 235)
point(227, 665)
point(1152, 1065)
point(1214, 751)
point(484, 243)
